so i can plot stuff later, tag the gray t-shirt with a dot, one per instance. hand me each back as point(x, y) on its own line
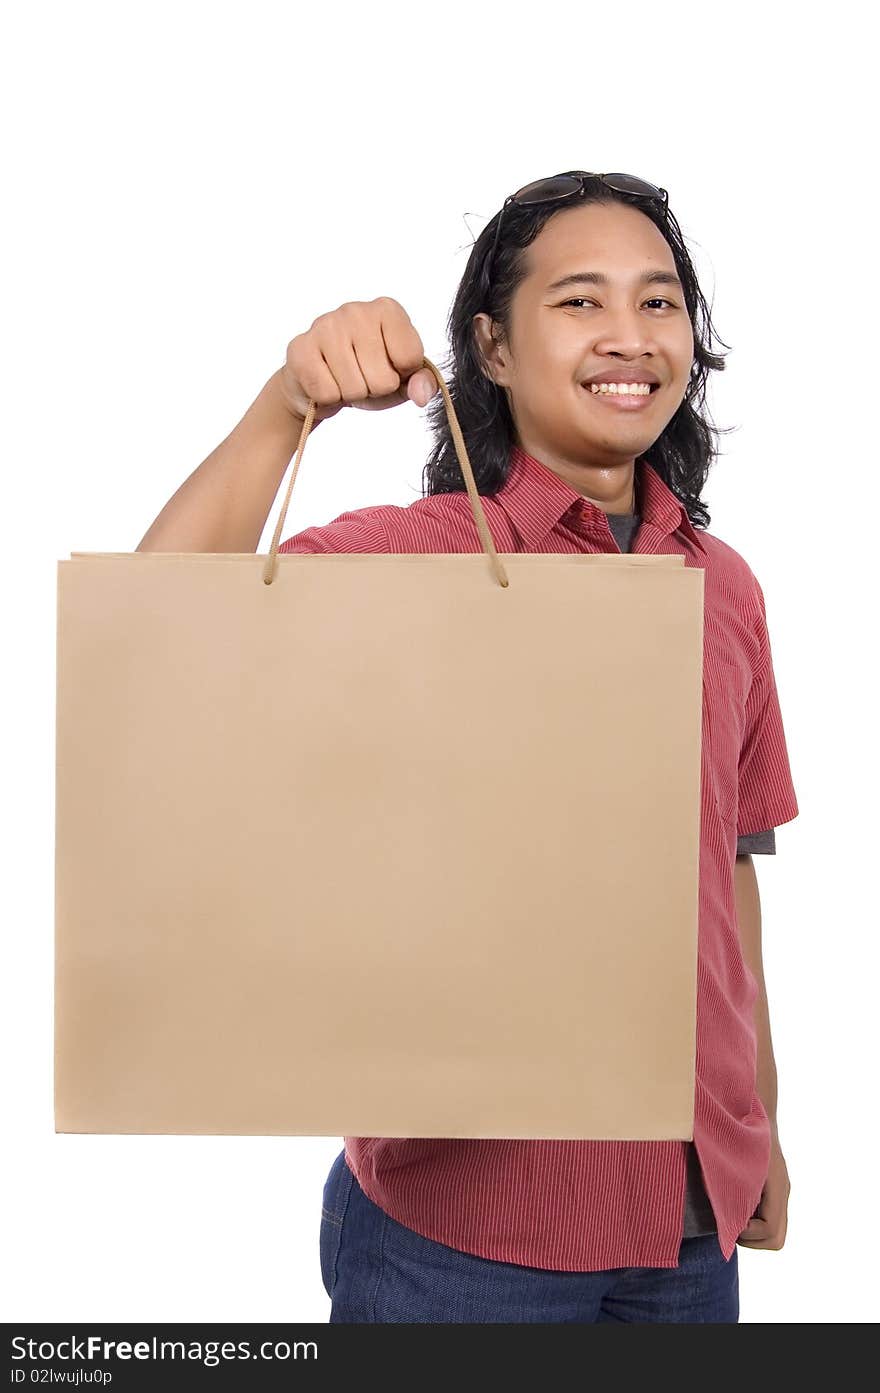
point(698, 1215)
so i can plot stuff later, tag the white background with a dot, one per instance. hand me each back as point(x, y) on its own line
point(187, 186)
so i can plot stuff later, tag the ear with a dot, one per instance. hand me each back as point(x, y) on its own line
point(488, 349)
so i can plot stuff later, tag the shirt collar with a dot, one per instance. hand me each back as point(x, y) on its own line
point(535, 499)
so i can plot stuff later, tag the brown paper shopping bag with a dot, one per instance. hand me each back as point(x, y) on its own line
point(291, 900)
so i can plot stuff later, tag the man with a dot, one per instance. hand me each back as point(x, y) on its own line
point(596, 287)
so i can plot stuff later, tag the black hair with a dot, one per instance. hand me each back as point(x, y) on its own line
point(684, 451)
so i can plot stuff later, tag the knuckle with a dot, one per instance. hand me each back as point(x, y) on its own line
point(335, 328)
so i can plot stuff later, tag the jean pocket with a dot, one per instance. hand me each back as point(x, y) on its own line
point(337, 1189)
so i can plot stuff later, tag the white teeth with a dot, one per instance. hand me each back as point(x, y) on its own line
point(631, 389)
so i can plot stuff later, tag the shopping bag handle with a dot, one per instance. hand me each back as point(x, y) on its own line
point(270, 568)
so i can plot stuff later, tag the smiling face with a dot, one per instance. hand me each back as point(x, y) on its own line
point(562, 335)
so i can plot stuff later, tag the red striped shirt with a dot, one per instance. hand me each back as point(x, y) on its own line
point(588, 1205)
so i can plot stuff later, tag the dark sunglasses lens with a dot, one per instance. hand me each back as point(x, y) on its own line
point(628, 183)
point(558, 187)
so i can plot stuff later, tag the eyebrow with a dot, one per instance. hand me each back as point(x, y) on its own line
point(597, 278)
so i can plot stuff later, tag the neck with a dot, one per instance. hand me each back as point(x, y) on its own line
point(614, 489)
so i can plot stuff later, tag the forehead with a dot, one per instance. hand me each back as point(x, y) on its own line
point(611, 237)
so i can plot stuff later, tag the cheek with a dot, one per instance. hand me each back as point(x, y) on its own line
point(546, 370)
point(680, 354)
point(684, 349)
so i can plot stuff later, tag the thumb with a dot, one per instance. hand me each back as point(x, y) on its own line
point(422, 386)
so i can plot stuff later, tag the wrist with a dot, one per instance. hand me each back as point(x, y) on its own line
point(276, 414)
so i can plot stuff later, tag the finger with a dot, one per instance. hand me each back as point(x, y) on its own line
point(429, 381)
point(318, 383)
point(422, 386)
point(756, 1230)
point(772, 1243)
point(403, 345)
point(339, 355)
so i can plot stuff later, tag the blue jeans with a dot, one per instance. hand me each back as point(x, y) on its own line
point(377, 1270)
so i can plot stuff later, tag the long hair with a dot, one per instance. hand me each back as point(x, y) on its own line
point(682, 454)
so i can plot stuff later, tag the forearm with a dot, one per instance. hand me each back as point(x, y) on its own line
point(224, 504)
point(766, 1068)
point(748, 910)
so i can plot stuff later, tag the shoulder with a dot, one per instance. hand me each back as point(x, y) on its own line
point(357, 529)
point(730, 564)
point(735, 615)
point(442, 522)
point(731, 578)
point(439, 522)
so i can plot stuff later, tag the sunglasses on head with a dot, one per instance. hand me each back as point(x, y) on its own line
point(561, 186)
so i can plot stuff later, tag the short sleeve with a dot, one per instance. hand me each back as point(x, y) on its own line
point(359, 530)
point(766, 792)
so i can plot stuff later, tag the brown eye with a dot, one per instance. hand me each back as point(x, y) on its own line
point(655, 300)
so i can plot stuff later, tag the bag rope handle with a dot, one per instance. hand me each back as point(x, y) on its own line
point(488, 546)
